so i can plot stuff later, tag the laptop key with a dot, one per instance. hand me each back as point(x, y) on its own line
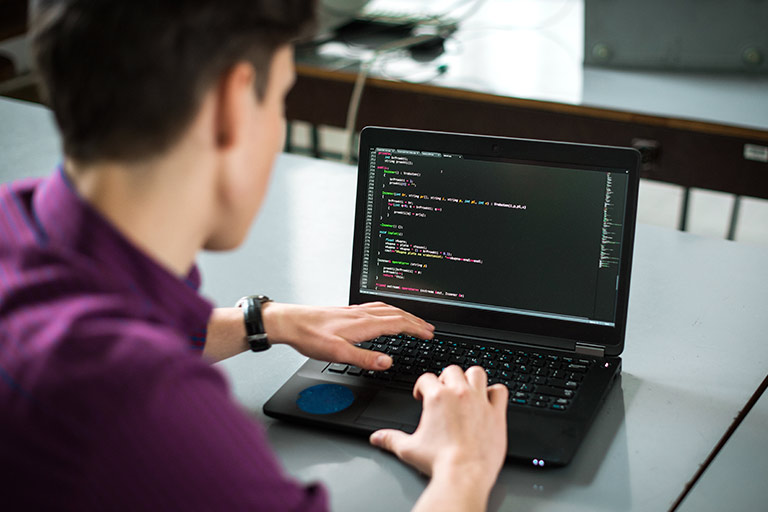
point(558, 383)
point(355, 371)
point(556, 392)
point(337, 367)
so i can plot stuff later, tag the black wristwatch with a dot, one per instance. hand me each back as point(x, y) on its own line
point(255, 334)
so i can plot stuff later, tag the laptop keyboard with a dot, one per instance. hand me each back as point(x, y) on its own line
point(534, 378)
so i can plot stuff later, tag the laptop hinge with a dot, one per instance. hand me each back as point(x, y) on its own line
point(588, 349)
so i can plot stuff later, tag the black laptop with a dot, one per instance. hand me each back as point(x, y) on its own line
point(518, 251)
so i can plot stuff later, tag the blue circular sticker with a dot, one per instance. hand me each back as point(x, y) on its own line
point(325, 399)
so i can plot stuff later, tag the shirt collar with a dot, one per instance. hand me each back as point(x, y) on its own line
point(71, 224)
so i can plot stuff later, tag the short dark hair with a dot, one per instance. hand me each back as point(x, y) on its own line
point(124, 79)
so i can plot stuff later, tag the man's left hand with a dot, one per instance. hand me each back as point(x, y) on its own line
point(330, 333)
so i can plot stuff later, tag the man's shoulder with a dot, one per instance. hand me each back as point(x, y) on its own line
point(89, 346)
point(68, 332)
point(49, 298)
point(81, 402)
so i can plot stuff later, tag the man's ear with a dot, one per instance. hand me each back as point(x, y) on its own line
point(235, 93)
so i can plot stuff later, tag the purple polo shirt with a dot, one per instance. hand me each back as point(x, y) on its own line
point(105, 402)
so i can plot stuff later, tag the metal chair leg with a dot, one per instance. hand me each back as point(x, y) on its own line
point(316, 151)
point(734, 217)
point(288, 148)
point(683, 223)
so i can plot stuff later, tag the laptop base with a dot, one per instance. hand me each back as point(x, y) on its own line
point(356, 406)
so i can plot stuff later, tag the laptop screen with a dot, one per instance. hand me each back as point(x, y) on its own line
point(514, 236)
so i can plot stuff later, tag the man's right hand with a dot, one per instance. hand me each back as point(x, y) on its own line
point(461, 439)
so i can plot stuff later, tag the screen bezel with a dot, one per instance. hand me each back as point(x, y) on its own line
point(546, 152)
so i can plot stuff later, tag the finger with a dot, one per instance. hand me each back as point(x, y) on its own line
point(381, 308)
point(477, 377)
point(367, 327)
point(425, 385)
point(367, 359)
point(424, 330)
point(389, 439)
point(498, 395)
point(453, 374)
point(417, 326)
point(397, 323)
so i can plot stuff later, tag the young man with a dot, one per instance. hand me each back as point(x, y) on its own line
point(171, 115)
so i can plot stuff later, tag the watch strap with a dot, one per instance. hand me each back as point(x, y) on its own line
point(255, 333)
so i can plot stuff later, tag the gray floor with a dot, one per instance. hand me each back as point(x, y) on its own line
point(659, 203)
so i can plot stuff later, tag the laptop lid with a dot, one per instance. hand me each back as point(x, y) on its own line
point(509, 239)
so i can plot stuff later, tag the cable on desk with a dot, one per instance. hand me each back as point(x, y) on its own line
point(365, 67)
point(357, 90)
point(736, 422)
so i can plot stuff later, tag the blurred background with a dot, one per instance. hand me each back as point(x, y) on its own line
point(684, 82)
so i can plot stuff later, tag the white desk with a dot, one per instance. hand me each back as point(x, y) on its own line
point(695, 354)
point(534, 49)
point(695, 346)
point(736, 478)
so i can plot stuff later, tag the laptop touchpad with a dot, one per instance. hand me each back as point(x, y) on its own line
point(391, 408)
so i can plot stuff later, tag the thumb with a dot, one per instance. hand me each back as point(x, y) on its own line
point(389, 439)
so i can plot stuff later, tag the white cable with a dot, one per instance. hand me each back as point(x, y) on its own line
point(365, 67)
point(357, 90)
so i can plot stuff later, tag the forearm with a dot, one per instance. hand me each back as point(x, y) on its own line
point(454, 490)
point(226, 331)
point(226, 334)
point(324, 333)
